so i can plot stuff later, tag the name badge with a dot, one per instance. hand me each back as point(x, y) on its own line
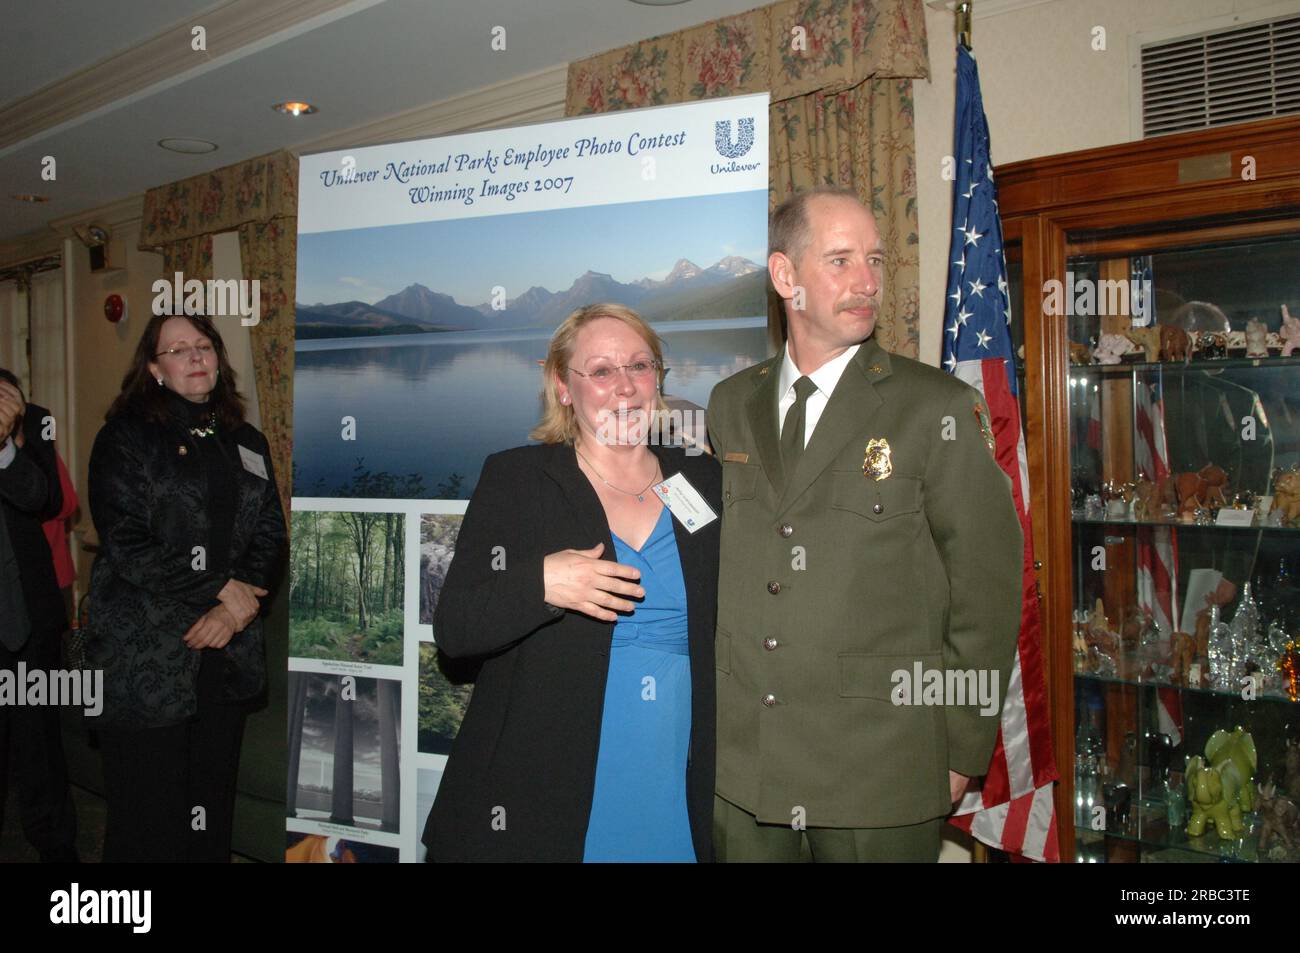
point(684, 502)
point(253, 462)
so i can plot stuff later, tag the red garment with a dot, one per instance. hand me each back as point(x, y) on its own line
point(56, 530)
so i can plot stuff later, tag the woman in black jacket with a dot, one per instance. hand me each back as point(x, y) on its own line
point(191, 536)
point(590, 732)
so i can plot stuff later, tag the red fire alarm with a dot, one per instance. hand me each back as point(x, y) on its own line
point(114, 308)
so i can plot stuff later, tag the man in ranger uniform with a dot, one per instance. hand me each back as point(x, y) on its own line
point(870, 570)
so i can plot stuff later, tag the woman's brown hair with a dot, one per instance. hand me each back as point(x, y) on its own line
point(141, 395)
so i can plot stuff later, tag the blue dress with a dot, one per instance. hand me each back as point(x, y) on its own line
point(638, 810)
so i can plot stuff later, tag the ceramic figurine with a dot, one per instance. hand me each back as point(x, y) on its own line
point(1111, 348)
point(1181, 658)
point(1286, 494)
point(1149, 339)
point(1233, 755)
point(1256, 338)
point(1279, 817)
point(1290, 335)
point(1213, 802)
point(1175, 345)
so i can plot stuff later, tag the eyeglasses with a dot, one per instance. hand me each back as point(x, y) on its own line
point(604, 374)
point(205, 351)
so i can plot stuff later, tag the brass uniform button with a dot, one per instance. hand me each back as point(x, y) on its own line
point(770, 644)
point(878, 509)
point(774, 587)
point(786, 530)
point(769, 700)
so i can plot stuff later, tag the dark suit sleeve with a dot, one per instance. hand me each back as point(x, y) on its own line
point(260, 562)
point(23, 485)
point(118, 483)
point(494, 593)
point(973, 520)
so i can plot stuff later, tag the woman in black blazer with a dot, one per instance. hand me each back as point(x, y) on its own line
point(535, 591)
point(191, 536)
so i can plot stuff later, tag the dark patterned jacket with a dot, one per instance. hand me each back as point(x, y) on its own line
point(149, 502)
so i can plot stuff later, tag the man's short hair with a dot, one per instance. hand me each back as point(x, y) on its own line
point(788, 230)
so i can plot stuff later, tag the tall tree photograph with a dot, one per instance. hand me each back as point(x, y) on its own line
point(346, 585)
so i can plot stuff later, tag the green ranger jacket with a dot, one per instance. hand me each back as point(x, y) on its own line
point(888, 563)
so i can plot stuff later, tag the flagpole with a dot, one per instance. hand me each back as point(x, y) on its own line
point(963, 24)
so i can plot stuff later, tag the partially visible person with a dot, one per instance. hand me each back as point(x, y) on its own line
point(589, 736)
point(32, 620)
point(191, 537)
point(57, 529)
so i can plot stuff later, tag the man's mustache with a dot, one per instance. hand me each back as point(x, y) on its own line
point(854, 303)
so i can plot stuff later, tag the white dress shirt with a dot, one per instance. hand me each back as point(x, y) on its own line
point(825, 377)
point(8, 450)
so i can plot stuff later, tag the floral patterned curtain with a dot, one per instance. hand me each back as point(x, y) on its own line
point(840, 77)
point(259, 199)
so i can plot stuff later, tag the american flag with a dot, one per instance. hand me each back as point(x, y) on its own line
point(1158, 546)
point(1013, 809)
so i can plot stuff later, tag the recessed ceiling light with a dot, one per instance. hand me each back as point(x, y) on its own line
point(29, 197)
point(295, 109)
point(659, 3)
point(192, 147)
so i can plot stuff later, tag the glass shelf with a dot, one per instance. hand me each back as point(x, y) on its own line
point(1156, 835)
point(1178, 367)
point(1175, 524)
point(1265, 696)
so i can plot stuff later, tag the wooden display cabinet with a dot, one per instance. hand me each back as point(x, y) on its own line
point(1208, 226)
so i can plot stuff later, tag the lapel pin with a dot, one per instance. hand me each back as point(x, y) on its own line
point(182, 450)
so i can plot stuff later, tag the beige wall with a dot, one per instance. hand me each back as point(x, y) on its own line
point(1046, 91)
point(101, 352)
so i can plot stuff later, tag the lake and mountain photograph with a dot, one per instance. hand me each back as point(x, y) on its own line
point(419, 346)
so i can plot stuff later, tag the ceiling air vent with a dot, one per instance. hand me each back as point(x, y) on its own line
point(1226, 76)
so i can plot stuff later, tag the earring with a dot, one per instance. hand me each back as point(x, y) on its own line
point(564, 400)
point(160, 382)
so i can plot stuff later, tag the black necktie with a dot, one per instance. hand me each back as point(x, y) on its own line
point(792, 431)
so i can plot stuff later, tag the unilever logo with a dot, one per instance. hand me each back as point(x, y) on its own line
point(722, 137)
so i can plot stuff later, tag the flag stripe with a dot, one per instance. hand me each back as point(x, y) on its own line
point(1012, 808)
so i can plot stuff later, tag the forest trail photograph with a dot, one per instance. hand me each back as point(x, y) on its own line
point(346, 584)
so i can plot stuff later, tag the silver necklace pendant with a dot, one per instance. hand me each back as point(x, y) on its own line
point(207, 431)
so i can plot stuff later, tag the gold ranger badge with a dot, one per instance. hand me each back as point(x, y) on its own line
point(876, 463)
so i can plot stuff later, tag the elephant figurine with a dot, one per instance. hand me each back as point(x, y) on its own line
point(1233, 756)
point(1213, 802)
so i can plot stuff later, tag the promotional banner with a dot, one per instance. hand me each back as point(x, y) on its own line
point(431, 276)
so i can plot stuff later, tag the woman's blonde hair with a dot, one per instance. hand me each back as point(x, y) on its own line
point(558, 424)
